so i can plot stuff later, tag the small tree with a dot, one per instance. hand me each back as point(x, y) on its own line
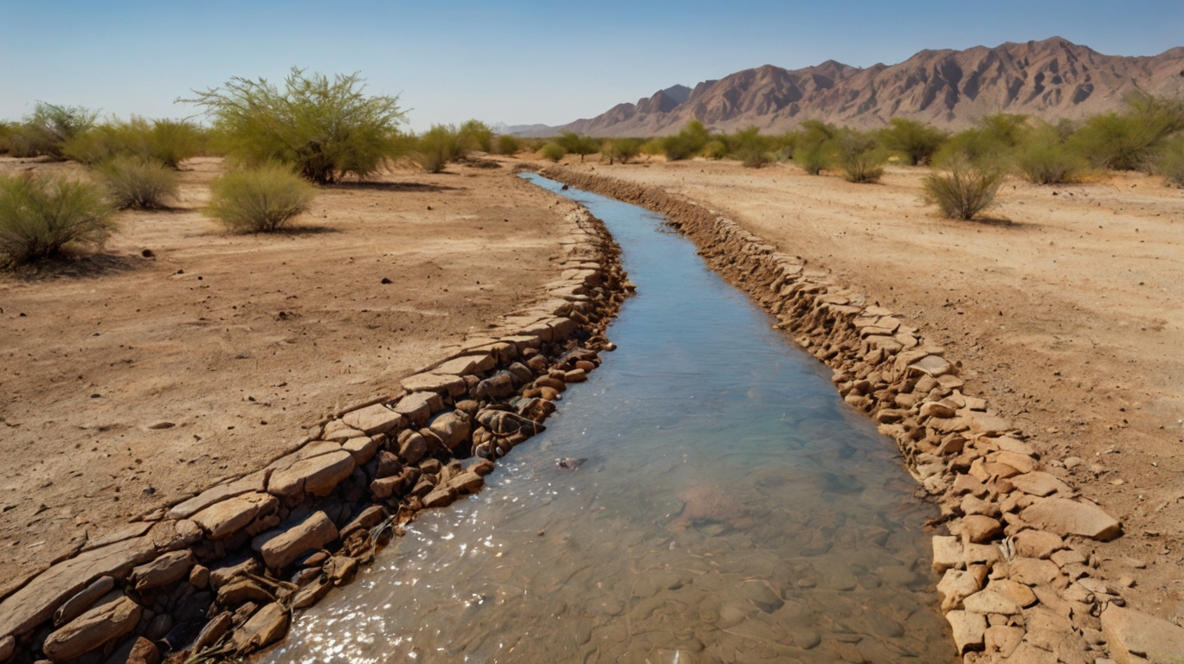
point(859, 156)
point(40, 215)
point(47, 130)
point(620, 149)
point(964, 190)
point(812, 146)
point(576, 144)
point(687, 143)
point(324, 128)
point(260, 200)
point(1130, 141)
point(916, 141)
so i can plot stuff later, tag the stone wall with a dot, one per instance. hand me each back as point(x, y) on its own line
point(1019, 578)
point(220, 574)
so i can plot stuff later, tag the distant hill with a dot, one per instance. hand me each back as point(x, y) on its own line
point(1050, 79)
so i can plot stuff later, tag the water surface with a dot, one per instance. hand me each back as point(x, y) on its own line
point(731, 509)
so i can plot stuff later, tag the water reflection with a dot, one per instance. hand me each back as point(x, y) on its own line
point(731, 509)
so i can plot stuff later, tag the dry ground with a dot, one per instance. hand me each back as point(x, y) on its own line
point(1066, 309)
point(241, 342)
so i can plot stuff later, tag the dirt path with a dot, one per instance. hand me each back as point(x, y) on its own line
point(1066, 312)
point(131, 382)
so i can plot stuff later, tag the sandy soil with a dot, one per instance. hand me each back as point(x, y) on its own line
point(239, 342)
point(1066, 309)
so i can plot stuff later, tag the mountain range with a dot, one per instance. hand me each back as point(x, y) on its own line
point(1049, 79)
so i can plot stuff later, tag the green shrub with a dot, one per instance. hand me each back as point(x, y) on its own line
point(554, 152)
point(991, 144)
point(964, 190)
point(438, 146)
point(1171, 161)
point(6, 130)
point(620, 149)
point(260, 199)
point(917, 142)
point(1045, 157)
point(40, 215)
point(137, 183)
point(48, 129)
point(1130, 141)
point(324, 128)
point(172, 141)
point(686, 143)
point(716, 149)
point(476, 135)
point(749, 147)
point(508, 145)
point(573, 143)
point(860, 156)
point(813, 145)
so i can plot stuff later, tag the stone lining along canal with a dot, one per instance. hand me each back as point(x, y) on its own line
point(729, 508)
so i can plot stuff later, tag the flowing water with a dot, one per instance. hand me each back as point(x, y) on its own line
point(731, 508)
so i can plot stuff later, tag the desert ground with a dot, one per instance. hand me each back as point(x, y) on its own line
point(181, 354)
point(1064, 306)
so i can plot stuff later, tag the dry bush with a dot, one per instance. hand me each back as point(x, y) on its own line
point(963, 190)
point(508, 145)
point(47, 130)
point(860, 156)
point(260, 199)
point(137, 183)
point(40, 215)
point(1171, 162)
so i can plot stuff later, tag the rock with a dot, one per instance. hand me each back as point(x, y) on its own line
point(341, 570)
point(947, 553)
point(318, 475)
point(932, 365)
point(439, 497)
point(7, 648)
point(312, 593)
point(367, 519)
point(452, 428)
point(253, 483)
point(169, 535)
point(143, 652)
point(412, 446)
point(227, 571)
point(1037, 543)
point(280, 548)
point(441, 383)
point(1069, 517)
point(339, 431)
point(419, 406)
point(977, 528)
point(1003, 639)
point(221, 520)
point(385, 487)
point(33, 604)
point(78, 604)
point(989, 601)
point(214, 629)
point(166, 569)
point(373, 420)
point(957, 585)
point(92, 629)
point(118, 535)
point(483, 467)
point(937, 409)
point(467, 364)
point(1021, 462)
point(362, 447)
point(467, 482)
point(388, 465)
point(159, 627)
point(1134, 636)
point(199, 577)
point(241, 590)
point(1033, 572)
point(969, 630)
point(1040, 484)
point(968, 484)
point(1013, 590)
point(267, 626)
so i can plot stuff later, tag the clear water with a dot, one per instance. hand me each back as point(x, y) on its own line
point(799, 539)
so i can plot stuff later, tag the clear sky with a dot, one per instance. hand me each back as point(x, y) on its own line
point(516, 62)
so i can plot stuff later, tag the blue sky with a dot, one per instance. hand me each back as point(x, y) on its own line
point(514, 62)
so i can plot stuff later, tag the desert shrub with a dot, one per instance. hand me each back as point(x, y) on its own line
point(813, 146)
point(573, 143)
point(1130, 140)
point(172, 141)
point(166, 141)
point(687, 143)
point(508, 145)
point(859, 155)
point(963, 190)
point(1171, 161)
point(6, 130)
point(476, 135)
point(137, 182)
point(1046, 157)
point(553, 152)
point(654, 147)
point(438, 146)
point(259, 199)
point(324, 128)
point(991, 143)
point(620, 149)
point(40, 215)
point(47, 130)
point(916, 141)
point(749, 147)
point(716, 149)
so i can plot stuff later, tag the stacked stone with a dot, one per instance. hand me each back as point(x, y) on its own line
point(220, 574)
point(1020, 581)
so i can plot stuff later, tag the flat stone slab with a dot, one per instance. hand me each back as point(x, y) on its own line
point(253, 483)
point(466, 365)
point(221, 520)
point(1134, 636)
point(318, 475)
point(92, 629)
point(373, 419)
point(438, 382)
point(1040, 484)
point(1069, 517)
point(419, 406)
point(363, 448)
point(35, 603)
point(165, 569)
point(934, 365)
point(282, 546)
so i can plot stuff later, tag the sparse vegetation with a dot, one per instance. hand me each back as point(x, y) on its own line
point(1171, 162)
point(860, 156)
point(438, 146)
point(812, 146)
point(40, 215)
point(573, 143)
point(1047, 158)
point(915, 141)
point(620, 150)
point(553, 152)
point(476, 135)
point(259, 199)
point(990, 145)
point(1130, 141)
point(325, 128)
point(508, 145)
point(46, 131)
point(167, 141)
point(137, 182)
point(963, 190)
point(686, 143)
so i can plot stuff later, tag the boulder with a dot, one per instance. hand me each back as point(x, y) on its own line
point(936, 409)
point(164, 570)
point(1068, 517)
point(957, 585)
point(362, 447)
point(947, 553)
point(199, 577)
point(1134, 636)
point(439, 497)
point(417, 407)
point(92, 629)
point(281, 547)
point(969, 630)
point(1013, 590)
point(143, 652)
point(989, 601)
point(318, 475)
point(1033, 571)
point(221, 520)
point(977, 528)
point(1037, 543)
point(412, 446)
point(388, 465)
point(78, 604)
point(1004, 639)
point(267, 626)
point(214, 629)
point(33, 604)
point(7, 648)
point(932, 365)
point(373, 420)
point(1021, 462)
point(466, 365)
point(467, 482)
point(241, 590)
point(452, 427)
point(367, 519)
